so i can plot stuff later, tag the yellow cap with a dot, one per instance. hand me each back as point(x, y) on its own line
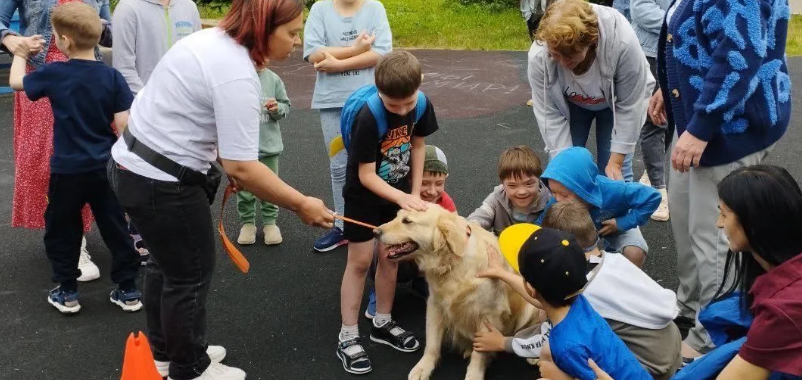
point(512, 239)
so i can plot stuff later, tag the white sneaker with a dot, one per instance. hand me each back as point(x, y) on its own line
point(272, 234)
point(247, 234)
point(217, 371)
point(216, 354)
point(644, 179)
point(89, 271)
point(661, 214)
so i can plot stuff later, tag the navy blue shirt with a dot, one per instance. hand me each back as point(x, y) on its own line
point(84, 96)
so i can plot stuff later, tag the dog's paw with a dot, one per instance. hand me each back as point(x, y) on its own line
point(422, 370)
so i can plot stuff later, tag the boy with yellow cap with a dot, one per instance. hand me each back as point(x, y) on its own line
point(553, 272)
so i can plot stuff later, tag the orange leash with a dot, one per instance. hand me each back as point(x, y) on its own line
point(358, 223)
point(233, 252)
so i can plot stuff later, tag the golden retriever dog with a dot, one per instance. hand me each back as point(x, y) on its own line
point(450, 251)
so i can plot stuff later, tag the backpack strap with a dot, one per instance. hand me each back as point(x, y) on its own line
point(379, 113)
point(420, 108)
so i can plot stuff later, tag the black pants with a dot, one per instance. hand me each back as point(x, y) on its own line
point(67, 194)
point(176, 221)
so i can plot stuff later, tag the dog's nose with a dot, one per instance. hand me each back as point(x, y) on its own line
point(377, 232)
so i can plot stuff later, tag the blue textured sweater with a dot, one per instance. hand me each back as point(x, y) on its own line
point(724, 76)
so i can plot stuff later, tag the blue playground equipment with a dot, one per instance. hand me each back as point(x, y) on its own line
point(14, 25)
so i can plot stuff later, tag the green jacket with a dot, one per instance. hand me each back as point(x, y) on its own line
point(269, 132)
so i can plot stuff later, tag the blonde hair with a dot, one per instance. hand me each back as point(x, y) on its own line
point(80, 22)
point(517, 162)
point(569, 26)
point(573, 218)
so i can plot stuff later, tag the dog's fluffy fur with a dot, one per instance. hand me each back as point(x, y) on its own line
point(459, 302)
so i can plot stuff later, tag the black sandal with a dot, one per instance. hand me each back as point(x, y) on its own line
point(358, 363)
point(404, 341)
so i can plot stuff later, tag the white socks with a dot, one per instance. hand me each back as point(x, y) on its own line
point(380, 319)
point(349, 332)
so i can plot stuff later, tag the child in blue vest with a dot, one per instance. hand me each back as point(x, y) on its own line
point(617, 208)
point(384, 174)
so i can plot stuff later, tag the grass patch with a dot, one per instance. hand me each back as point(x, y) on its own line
point(447, 24)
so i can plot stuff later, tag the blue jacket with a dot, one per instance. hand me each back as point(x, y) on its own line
point(724, 76)
point(647, 20)
point(630, 203)
point(35, 19)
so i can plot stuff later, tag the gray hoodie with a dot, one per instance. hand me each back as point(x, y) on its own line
point(626, 83)
point(144, 30)
point(495, 213)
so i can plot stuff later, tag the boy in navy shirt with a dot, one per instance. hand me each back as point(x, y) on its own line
point(554, 270)
point(86, 96)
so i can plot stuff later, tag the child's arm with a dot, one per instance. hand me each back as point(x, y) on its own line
point(283, 102)
point(374, 183)
point(496, 271)
point(17, 72)
point(124, 37)
point(485, 214)
point(643, 201)
point(417, 156)
point(121, 121)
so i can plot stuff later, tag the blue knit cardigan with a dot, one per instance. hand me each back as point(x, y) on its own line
point(724, 77)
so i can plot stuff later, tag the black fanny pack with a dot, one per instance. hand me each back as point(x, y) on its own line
point(210, 181)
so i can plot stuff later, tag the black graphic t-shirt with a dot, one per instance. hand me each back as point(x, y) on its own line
point(391, 155)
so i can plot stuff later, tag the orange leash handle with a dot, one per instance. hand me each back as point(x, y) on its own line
point(233, 252)
point(358, 223)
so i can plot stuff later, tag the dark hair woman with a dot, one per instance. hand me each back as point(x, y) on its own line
point(201, 104)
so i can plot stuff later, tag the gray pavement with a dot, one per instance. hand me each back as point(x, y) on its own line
point(280, 320)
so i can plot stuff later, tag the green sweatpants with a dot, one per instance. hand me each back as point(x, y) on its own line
point(246, 202)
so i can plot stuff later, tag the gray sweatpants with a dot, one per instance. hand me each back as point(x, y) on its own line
point(330, 123)
point(701, 246)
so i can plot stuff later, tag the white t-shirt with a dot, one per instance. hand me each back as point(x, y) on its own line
point(585, 90)
point(671, 11)
point(203, 96)
point(623, 292)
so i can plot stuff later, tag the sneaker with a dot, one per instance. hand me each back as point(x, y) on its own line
point(89, 271)
point(66, 302)
point(644, 179)
point(247, 234)
point(139, 245)
point(529, 102)
point(216, 354)
point(217, 371)
point(129, 301)
point(661, 214)
point(355, 359)
point(390, 334)
point(272, 234)
point(370, 311)
point(333, 239)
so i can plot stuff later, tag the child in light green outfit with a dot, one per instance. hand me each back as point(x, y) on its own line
point(276, 106)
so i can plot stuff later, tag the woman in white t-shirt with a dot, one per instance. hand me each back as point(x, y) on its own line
point(201, 104)
point(586, 64)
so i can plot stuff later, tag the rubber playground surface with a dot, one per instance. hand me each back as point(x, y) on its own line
point(280, 321)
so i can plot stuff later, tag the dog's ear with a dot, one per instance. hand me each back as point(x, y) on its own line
point(449, 235)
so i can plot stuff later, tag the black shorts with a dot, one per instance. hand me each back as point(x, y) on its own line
point(366, 212)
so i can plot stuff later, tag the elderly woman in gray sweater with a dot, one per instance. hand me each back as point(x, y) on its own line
point(647, 19)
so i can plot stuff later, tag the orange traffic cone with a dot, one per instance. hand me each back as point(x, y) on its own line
point(138, 363)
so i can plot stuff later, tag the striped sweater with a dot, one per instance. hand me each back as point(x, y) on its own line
point(724, 77)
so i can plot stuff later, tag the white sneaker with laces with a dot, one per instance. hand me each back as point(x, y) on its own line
point(216, 354)
point(217, 371)
point(89, 271)
point(661, 214)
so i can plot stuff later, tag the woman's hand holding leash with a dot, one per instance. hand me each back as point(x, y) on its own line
point(313, 212)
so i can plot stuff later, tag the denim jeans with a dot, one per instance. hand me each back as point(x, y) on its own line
point(581, 121)
point(654, 143)
point(67, 194)
point(330, 122)
point(176, 221)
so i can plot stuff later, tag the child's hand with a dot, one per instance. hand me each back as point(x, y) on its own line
point(329, 64)
point(411, 202)
point(271, 105)
point(608, 227)
point(494, 267)
point(490, 341)
point(364, 42)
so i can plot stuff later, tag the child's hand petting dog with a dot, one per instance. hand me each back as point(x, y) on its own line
point(609, 227)
point(494, 268)
point(488, 341)
point(411, 202)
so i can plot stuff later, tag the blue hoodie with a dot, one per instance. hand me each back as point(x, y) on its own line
point(630, 203)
